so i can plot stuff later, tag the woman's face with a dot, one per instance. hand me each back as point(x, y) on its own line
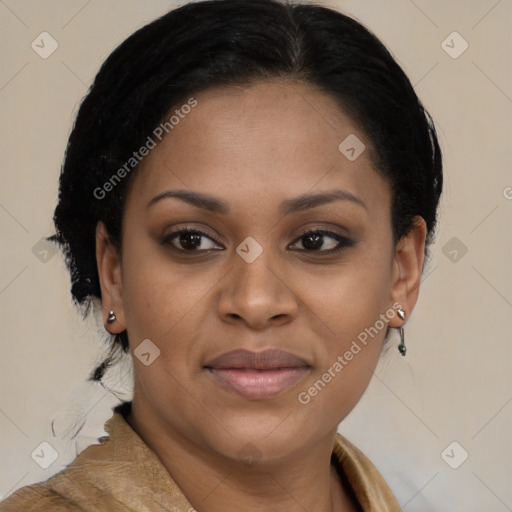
point(289, 249)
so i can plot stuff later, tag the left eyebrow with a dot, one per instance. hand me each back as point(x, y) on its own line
point(308, 201)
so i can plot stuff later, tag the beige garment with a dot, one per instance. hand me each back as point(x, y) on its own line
point(123, 474)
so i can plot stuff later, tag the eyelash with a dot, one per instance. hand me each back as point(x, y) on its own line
point(343, 242)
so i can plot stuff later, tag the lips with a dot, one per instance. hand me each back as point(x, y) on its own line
point(257, 375)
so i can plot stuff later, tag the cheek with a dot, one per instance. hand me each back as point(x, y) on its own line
point(351, 312)
point(351, 297)
point(163, 302)
point(347, 361)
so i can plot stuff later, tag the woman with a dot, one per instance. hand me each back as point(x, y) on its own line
point(250, 188)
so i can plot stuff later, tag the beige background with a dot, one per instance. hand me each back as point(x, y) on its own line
point(454, 384)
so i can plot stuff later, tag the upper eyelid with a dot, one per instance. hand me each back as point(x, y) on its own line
point(324, 231)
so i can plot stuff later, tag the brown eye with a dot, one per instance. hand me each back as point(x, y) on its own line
point(323, 241)
point(190, 240)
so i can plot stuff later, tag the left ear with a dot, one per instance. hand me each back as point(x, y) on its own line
point(407, 269)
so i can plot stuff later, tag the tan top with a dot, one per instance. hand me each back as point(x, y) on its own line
point(124, 474)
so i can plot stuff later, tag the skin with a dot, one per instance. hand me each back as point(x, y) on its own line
point(254, 147)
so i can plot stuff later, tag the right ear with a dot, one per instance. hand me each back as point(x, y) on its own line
point(109, 271)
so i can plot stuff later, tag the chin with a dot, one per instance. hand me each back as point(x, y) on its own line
point(264, 438)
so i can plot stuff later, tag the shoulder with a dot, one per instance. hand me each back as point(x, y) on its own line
point(75, 488)
point(38, 498)
point(368, 484)
point(80, 487)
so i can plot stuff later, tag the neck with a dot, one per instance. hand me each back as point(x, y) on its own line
point(305, 481)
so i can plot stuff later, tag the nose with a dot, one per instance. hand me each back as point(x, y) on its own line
point(257, 294)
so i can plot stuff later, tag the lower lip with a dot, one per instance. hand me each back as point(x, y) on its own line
point(258, 384)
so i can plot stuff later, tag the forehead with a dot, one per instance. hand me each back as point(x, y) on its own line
point(270, 139)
